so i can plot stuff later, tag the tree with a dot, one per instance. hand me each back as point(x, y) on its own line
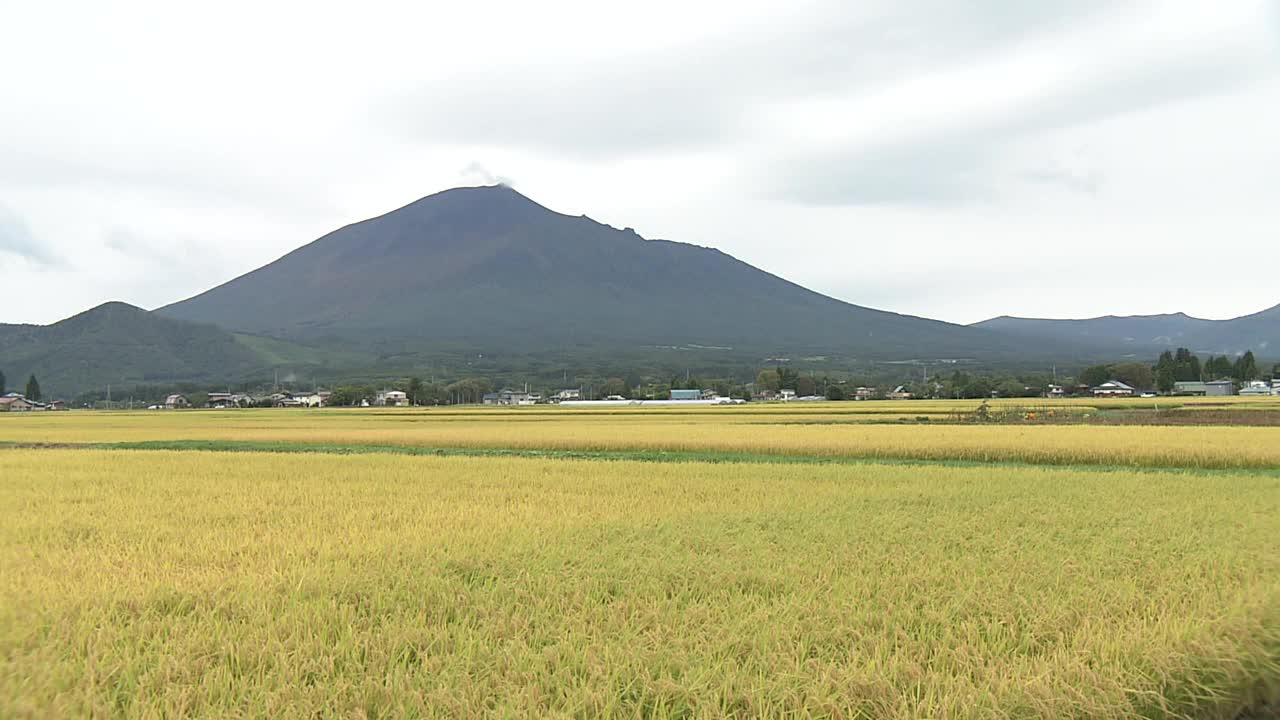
point(1247, 367)
point(1219, 368)
point(1096, 375)
point(805, 386)
point(787, 378)
point(1010, 388)
point(835, 392)
point(414, 391)
point(2, 388)
point(348, 395)
point(614, 386)
point(1138, 375)
point(768, 380)
point(33, 389)
point(1186, 367)
point(467, 390)
point(1165, 378)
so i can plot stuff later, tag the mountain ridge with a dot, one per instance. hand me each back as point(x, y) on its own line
point(513, 270)
point(122, 344)
point(1259, 331)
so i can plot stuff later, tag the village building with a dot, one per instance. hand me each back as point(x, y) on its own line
point(864, 393)
point(1055, 391)
point(1215, 388)
point(686, 394)
point(314, 398)
point(1256, 388)
point(507, 396)
point(1113, 388)
point(219, 400)
point(176, 402)
point(563, 395)
point(392, 398)
point(1193, 388)
point(1221, 388)
point(900, 393)
point(13, 402)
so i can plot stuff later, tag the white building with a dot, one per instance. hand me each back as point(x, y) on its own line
point(1256, 387)
point(1114, 388)
point(392, 398)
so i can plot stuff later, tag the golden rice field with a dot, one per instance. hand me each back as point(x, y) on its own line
point(733, 583)
point(773, 430)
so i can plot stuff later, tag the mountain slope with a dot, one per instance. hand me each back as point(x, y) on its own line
point(121, 344)
point(488, 268)
point(1149, 334)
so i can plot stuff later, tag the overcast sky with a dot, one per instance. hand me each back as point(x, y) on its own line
point(957, 160)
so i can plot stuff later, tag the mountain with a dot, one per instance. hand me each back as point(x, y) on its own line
point(125, 345)
point(1150, 334)
point(487, 268)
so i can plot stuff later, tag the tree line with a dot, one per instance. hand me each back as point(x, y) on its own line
point(1175, 366)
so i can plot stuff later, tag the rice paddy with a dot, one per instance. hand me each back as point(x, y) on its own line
point(779, 562)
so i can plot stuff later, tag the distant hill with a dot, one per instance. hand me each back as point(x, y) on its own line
point(1150, 334)
point(121, 344)
point(486, 267)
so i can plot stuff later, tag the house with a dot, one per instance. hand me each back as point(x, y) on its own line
point(508, 396)
point(219, 400)
point(392, 398)
point(282, 399)
point(314, 398)
point(1054, 391)
point(786, 395)
point(864, 393)
point(1113, 388)
point(687, 394)
point(1256, 388)
point(564, 395)
point(900, 393)
point(13, 402)
point(1275, 386)
point(490, 399)
point(176, 402)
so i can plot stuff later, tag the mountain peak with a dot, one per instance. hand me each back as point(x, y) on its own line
point(110, 307)
point(488, 267)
